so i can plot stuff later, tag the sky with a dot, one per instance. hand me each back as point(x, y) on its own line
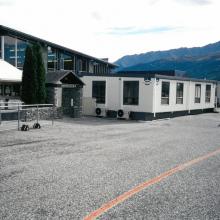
point(114, 28)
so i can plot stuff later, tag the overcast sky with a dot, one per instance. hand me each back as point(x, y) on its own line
point(114, 28)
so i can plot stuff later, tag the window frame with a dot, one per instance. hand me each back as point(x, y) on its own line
point(177, 93)
point(101, 99)
point(197, 99)
point(165, 97)
point(208, 98)
point(132, 94)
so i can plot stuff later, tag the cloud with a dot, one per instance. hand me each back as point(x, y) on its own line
point(96, 15)
point(195, 2)
point(139, 31)
point(6, 2)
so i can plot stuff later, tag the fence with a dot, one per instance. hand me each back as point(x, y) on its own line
point(18, 113)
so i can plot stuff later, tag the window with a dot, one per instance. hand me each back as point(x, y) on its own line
point(8, 90)
point(208, 93)
point(52, 59)
point(131, 93)
point(1, 90)
point(98, 91)
point(21, 47)
point(165, 93)
point(0, 47)
point(197, 93)
point(9, 52)
point(179, 93)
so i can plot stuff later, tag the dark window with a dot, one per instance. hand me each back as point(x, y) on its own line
point(52, 59)
point(8, 90)
point(1, 90)
point(1, 47)
point(179, 93)
point(197, 93)
point(165, 93)
point(16, 90)
point(21, 47)
point(98, 91)
point(131, 93)
point(9, 50)
point(68, 62)
point(208, 93)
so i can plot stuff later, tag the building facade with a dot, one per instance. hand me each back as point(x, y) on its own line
point(56, 58)
point(12, 49)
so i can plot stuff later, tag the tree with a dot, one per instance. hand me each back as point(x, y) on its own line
point(40, 69)
point(33, 78)
point(29, 77)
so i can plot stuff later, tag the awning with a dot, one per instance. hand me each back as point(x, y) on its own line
point(9, 73)
point(63, 77)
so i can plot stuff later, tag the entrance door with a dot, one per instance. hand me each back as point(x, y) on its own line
point(68, 101)
point(72, 101)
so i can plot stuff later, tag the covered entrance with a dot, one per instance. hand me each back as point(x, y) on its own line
point(64, 89)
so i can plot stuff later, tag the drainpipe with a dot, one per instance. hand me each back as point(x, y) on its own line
point(154, 97)
point(189, 101)
point(3, 47)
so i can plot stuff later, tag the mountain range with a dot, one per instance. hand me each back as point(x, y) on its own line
point(197, 62)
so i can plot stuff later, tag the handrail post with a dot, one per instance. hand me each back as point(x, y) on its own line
point(53, 115)
point(37, 114)
point(18, 117)
point(0, 115)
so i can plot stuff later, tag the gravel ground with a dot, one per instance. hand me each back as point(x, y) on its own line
point(68, 170)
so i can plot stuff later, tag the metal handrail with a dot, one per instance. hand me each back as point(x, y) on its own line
point(6, 106)
point(19, 109)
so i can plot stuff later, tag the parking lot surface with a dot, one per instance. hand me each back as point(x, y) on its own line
point(68, 170)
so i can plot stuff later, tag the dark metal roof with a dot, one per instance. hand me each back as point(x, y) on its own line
point(23, 36)
point(161, 72)
point(148, 75)
point(184, 78)
point(57, 76)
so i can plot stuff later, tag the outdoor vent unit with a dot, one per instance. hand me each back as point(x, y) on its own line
point(101, 112)
point(123, 114)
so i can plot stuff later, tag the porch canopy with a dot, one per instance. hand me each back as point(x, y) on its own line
point(9, 73)
point(63, 77)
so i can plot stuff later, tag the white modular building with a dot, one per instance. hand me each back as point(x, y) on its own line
point(146, 96)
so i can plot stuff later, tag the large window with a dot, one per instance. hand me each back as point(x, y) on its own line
point(9, 52)
point(179, 93)
point(0, 47)
point(98, 91)
point(131, 93)
point(197, 93)
point(21, 47)
point(165, 93)
point(10, 90)
point(208, 93)
point(52, 59)
point(1, 90)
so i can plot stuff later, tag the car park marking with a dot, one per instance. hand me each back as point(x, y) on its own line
point(105, 207)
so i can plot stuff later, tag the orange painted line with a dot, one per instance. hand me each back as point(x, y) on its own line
point(105, 207)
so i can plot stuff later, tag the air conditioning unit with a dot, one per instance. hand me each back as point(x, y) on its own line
point(122, 114)
point(100, 112)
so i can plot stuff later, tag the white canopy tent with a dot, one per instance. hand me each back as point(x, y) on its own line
point(9, 73)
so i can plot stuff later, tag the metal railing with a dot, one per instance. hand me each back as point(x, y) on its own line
point(19, 107)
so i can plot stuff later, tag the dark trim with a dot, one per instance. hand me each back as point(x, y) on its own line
point(148, 116)
point(53, 85)
point(147, 76)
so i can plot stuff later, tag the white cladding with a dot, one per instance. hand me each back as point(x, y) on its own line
point(150, 94)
